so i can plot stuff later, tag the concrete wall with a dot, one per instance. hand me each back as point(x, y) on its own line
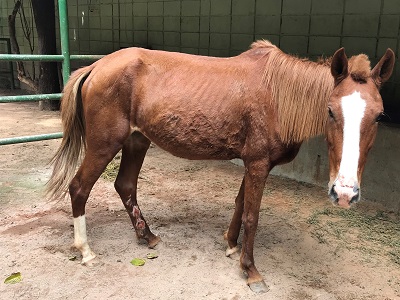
point(227, 27)
point(381, 178)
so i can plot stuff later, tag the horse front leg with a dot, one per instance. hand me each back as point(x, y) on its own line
point(254, 182)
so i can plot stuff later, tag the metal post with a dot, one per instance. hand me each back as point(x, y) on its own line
point(63, 13)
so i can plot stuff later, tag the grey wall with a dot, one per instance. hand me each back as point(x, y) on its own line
point(227, 27)
point(381, 178)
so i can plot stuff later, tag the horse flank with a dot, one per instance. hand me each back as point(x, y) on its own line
point(68, 154)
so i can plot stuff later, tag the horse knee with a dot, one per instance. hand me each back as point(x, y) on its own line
point(249, 221)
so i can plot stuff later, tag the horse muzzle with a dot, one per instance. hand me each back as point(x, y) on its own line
point(344, 195)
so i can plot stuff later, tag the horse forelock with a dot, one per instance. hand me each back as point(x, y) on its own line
point(301, 90)
point(360, 68)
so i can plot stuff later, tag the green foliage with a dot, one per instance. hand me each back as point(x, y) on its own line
point(372, 231)
point(111, 171)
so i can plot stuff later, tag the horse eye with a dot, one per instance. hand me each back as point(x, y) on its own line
point(379, 117)
point(330, 113)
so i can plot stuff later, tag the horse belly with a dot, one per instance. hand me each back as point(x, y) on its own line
point(195, 136)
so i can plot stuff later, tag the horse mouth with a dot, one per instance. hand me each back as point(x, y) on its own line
point(344, 199)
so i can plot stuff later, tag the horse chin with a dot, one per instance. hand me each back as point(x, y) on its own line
point(344, 202)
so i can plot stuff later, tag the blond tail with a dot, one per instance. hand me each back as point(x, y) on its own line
point(67, 156)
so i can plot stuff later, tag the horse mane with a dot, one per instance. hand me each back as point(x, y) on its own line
point(301, 90)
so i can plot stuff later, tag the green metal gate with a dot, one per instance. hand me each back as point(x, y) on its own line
point(64, 57)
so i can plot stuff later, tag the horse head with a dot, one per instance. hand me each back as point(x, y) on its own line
point(354, 110)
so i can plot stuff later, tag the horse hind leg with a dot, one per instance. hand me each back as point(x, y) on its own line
point(90, 170)
point(133, 153)
point(232, 234)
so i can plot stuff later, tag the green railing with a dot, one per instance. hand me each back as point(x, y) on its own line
point(64, 57)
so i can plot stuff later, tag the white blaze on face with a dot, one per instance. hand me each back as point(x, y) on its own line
point(353, 108)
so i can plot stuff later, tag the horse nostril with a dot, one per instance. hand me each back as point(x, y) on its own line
point(332, 193)
point(356, 197)
point(356, 188)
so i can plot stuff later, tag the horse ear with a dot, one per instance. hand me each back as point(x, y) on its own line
point(339, 66)
point(384, 68)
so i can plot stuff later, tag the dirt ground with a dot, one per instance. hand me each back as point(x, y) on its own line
point(305, 248)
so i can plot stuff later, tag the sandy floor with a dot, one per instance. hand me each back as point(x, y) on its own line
point(299, 251)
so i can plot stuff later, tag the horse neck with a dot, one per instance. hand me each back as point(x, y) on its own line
point(301, 90)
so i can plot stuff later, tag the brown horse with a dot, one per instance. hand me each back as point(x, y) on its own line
point(258, 106)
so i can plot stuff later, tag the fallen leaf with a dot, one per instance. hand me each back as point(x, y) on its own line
point(151, 255)
point(138, 262)
point(13, 278)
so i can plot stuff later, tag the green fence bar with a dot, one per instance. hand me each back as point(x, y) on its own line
point(27, 57)
point(31, 138)
point(85, 57)
point(56, 57)
point(63, 12)
point(21, 98)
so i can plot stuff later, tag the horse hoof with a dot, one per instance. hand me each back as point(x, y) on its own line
point(259, 287)
point(87, 257)
point(230, 251)
point(154, 242)
point(91, 263)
